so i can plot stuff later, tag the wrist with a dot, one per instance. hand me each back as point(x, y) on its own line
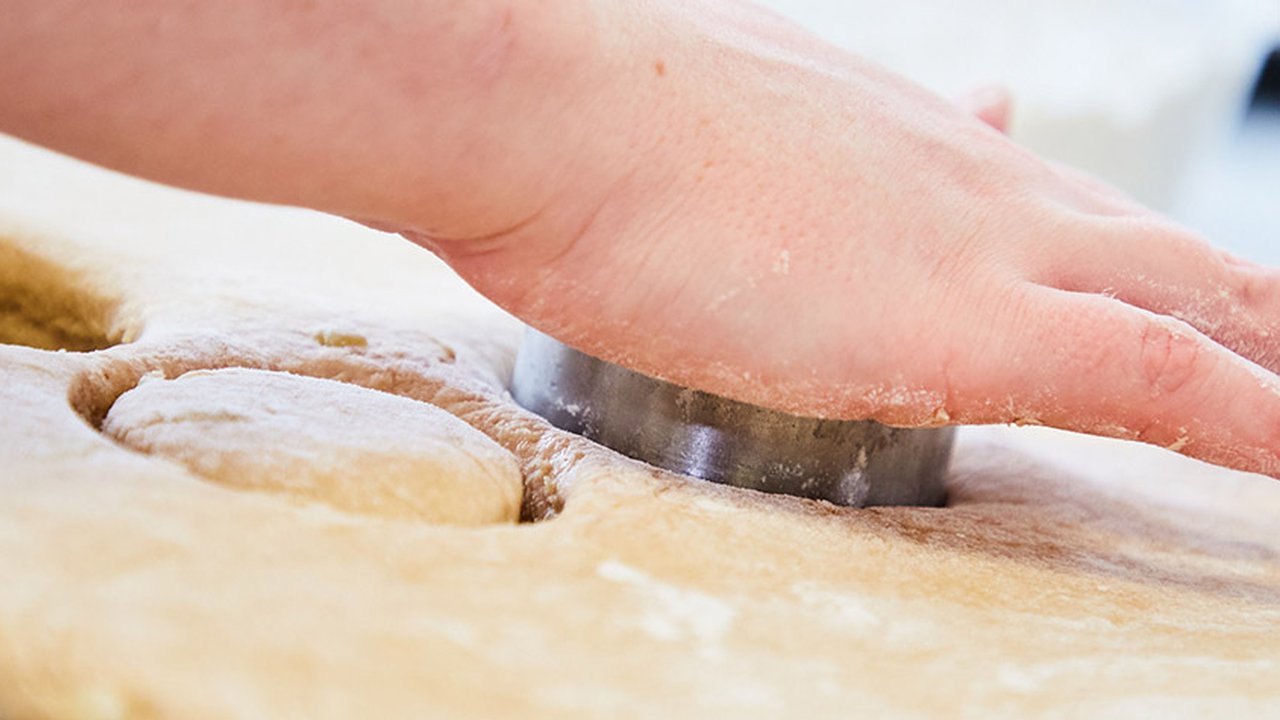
point(520, 122)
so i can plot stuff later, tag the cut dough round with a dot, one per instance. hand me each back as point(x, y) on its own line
point(357, 450)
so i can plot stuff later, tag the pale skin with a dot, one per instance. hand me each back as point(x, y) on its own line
point(699, 191)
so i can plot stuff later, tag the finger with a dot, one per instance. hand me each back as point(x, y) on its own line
point(991, 104)
point(1152, 264)
point(1092, 364)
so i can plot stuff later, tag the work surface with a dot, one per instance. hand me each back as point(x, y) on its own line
point(231, 572)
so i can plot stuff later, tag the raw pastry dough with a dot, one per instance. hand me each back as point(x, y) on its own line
point(1070, 577)
point(357, 450)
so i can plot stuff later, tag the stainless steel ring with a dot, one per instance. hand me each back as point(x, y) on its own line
point(847, 462)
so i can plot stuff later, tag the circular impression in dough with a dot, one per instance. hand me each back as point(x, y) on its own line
point(354, 449)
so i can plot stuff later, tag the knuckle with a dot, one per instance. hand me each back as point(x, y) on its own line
point(1253, 287)
point(1171, 361)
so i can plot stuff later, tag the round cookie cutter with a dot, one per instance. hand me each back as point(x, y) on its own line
point(846, 462)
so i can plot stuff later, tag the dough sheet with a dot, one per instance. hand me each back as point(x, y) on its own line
point(261, 463)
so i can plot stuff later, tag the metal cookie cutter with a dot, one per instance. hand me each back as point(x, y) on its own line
point(846, 462)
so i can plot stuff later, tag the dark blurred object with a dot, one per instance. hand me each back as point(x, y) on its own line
point(1267, 89)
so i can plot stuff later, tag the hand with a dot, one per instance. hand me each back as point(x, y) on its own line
point(791, 226)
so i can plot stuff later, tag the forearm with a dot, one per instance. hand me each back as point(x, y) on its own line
point(440, 114)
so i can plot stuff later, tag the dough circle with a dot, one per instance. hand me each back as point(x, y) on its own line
point(357, 450)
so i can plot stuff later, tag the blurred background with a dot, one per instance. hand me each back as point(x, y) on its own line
point(1175, 101)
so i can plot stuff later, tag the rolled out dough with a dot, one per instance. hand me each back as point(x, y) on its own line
point(1069, 577)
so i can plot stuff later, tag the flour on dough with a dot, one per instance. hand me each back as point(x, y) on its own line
point(354, 449)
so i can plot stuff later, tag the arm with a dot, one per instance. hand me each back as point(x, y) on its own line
point(443, 113)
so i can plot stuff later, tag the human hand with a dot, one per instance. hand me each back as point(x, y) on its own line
point(791, 226)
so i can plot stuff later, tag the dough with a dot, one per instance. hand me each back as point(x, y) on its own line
point(357, 450)
point(1069, 577)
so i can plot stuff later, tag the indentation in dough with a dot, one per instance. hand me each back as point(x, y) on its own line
point(46, 306)
point(339, 338)
point(357, 450)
